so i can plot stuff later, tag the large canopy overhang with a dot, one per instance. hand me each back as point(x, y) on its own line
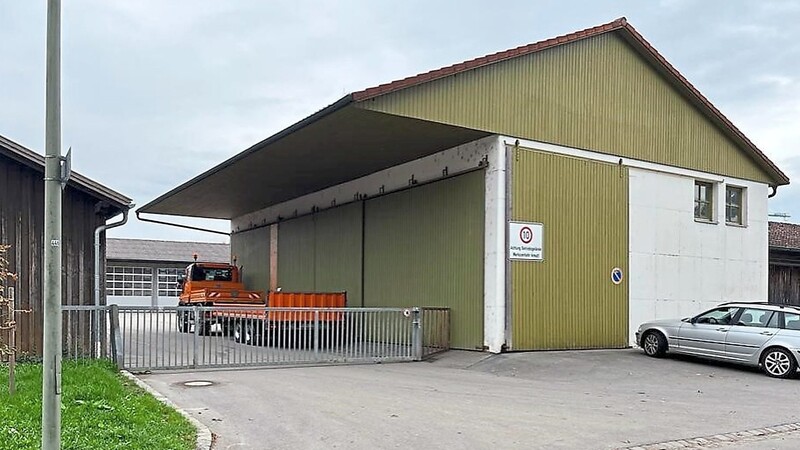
point(339, 143)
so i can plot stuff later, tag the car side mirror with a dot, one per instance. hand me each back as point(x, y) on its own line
point(693, 320)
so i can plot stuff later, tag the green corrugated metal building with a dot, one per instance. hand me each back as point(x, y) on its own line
point(508, 188)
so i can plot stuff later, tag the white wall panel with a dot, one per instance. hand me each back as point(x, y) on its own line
point(679, 266)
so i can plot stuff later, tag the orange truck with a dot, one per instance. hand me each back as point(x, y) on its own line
point(220, 286)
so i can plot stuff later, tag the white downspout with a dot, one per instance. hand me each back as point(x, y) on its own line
point(97, 232)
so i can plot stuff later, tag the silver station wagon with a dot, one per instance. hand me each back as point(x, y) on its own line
point(755, 334)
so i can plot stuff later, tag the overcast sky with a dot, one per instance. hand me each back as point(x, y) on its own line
point(156, 92)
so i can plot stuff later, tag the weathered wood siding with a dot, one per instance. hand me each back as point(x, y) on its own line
point(784, 284)
point(22, 226)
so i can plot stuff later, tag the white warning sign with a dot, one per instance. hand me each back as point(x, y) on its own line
point(526, 241)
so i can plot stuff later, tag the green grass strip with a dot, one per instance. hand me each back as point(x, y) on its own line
point(100, 410)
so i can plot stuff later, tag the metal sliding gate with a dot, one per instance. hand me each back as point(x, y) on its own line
point(170, 338)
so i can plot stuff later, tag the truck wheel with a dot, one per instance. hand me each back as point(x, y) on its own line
point(182, 325)
point(252, 332)
point(183, 322)
point(205, 327)
point(238, 331)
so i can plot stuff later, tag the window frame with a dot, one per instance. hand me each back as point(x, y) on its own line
point(742, 205)
point(734, 316)
point(711, 188)
point(771, 314)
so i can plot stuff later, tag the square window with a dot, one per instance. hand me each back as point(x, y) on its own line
point(734, 209)
point(704, 201)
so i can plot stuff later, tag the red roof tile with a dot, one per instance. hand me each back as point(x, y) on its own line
point(784, 235)
point(620, 24)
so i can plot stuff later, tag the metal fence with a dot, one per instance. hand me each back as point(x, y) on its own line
point(145, 338)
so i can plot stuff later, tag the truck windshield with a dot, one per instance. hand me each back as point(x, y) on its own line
point(210, 274)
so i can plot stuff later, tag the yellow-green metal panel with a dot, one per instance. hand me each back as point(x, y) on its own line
point(568, 301)
point(251, 250)
point(296, 255)
point(424, 247)
point(389, 252)
point(338, 236)
point(597, 94)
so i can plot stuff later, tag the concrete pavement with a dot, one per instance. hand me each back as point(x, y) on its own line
point(571, 400)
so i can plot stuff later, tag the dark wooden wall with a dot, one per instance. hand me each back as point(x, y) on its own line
point(22, 226)
point(784, 284)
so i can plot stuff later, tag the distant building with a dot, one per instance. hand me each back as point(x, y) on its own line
point(784, 263)
point(142, 272)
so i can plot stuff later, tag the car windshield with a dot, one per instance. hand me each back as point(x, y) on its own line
point(722, 316)
point(210, 274)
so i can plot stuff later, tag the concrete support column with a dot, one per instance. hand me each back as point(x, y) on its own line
point(494, 285)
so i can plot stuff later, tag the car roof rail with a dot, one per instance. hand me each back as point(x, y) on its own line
point(779, 305)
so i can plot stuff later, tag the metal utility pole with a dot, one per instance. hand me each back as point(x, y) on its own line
point(53, 178)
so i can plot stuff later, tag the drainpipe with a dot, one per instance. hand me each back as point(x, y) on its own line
point(774, 191)
point(97, 232)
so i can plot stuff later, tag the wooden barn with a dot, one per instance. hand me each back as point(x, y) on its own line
point(784, 263)
point(86, 205)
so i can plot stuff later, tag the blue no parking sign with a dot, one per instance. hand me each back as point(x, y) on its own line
point(616, 275)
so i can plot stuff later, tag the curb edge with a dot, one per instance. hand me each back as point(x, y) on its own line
point(204, 439)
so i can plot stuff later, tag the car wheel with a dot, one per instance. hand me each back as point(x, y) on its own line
point(778, 363)
point(654, 344)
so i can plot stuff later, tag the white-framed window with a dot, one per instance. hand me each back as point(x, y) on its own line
point(129, 281)
point(704, 201)
point(168, 282)
point(734, 205)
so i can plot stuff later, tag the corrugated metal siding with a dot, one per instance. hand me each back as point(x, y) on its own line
point(596, 94)
point(296, 255)
point(22, 226)
point(424, 247)
point(322, 252)
point(251, 250)
point(568, 300)
point(338, 238)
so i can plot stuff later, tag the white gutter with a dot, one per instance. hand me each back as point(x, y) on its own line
point(97, 232)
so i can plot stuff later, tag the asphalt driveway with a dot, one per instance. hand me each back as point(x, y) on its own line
point(571, 400)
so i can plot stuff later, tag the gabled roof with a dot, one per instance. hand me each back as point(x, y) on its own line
point(35, 161)
point(145, 250)
point(784, 235)
point(340, 142)
point(633, 37)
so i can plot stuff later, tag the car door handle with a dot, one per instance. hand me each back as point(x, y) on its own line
point(767, 333)
point(722, 329)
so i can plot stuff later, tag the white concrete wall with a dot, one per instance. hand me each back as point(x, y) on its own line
point(679, 266)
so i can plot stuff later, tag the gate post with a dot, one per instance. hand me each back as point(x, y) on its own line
point(416, 333)
point(117, 352)
point(316, 333)
point(195, 336)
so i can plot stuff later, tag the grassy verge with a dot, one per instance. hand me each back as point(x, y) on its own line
point(100, 410)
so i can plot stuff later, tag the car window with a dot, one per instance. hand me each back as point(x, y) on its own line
point(774, 321)
point(718, 316)
point(792, 321)
point(754, 317)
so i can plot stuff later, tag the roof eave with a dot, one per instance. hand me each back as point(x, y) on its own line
point(330, 109)
point(35, 161)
